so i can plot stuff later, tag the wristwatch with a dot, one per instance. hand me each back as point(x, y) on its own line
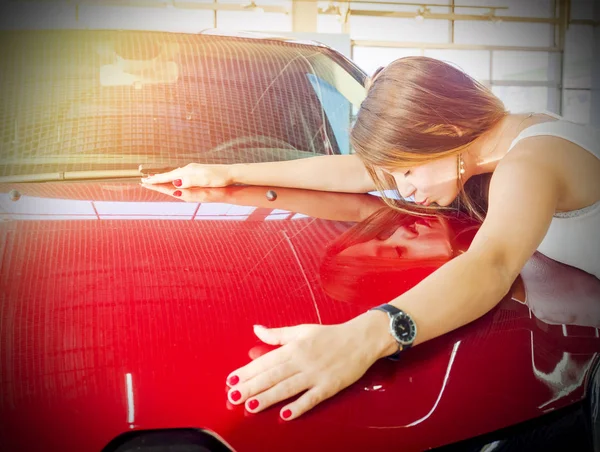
point(402, 328)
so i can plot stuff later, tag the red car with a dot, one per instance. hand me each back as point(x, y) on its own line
point(123, 309)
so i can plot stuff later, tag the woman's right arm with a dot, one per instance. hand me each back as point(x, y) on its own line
point(337, 173)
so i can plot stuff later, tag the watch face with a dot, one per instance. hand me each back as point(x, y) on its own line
point(404, 328)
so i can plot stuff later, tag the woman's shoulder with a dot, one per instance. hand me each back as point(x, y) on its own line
point(558, 130)
point(566, 153)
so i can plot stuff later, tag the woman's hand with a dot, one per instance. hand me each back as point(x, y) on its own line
point(194, 175)
point(319, 359)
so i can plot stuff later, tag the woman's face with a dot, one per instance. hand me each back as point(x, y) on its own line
point(433, 182)
point(424, 238)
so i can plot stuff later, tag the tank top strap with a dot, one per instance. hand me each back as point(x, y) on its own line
point(583, 136)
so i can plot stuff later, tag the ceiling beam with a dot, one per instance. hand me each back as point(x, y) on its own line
point(428, 45)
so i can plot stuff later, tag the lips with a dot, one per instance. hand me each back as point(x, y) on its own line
point(425, 202)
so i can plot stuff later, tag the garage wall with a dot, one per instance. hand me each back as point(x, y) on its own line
point(595, 71)
point(578, 58)
point(522, 62)
point(519, 52)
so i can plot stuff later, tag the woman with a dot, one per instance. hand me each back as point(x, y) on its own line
point(426, 128)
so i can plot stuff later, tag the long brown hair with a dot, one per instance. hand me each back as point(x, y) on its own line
point(420, 109)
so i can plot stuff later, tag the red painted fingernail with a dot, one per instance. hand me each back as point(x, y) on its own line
point(233, 380)
point(177, 182)
point(253, 404)
point(236, 395)
point(150, 175)
point(177, 193)
point(286, 414)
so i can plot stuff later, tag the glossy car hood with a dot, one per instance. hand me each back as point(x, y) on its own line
point(124, 309)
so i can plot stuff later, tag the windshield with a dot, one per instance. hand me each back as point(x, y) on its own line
point(112, 100)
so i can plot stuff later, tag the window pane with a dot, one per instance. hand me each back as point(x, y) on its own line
point(443, 7)
point(287, 4)
point(522, 8)
point(254, 21)
point(327, 23)
point(582, 9)
point(578, 56)
point(476, 63)
point(399, 29)
point(156, 19)
point(518, 99)
point(48, 16)
point(371, 58)
point(503, 33)
point(36, 16)
point(528, 66)
point(576, 105)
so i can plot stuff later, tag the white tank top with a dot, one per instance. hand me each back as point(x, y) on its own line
point(573, 237)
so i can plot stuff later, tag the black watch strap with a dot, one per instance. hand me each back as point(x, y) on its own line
point(390, 310)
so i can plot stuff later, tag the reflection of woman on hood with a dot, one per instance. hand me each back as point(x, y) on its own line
point(385, 254)
point(379, 256)
point(561, 294)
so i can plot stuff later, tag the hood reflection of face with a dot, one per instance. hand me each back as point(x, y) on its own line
point(424, 238)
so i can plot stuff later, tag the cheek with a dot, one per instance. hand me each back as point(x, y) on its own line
point(439, 177)
point(430, 181)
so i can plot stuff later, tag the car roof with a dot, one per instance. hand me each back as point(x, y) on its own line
point(257, 35)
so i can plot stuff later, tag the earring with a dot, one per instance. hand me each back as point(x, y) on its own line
point(461, 166)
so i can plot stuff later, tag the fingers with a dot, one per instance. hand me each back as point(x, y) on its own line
point(259, 350)
point(261, 392)
point(313, 361)
point(277, 336)
point(177, 177)
point(167, 190)
point(285, 389)
point(260, 385)
point(271, 336)
point(305, 402)
point(262, 364)
point(162, 178)
point(148, 170)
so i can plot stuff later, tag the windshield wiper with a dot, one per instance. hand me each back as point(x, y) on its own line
point(72, 176)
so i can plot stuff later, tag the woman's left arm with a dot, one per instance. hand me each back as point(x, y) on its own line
point(523, 198)
point(323, 360)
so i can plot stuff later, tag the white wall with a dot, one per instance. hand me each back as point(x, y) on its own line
point(339, 42)
point(595, 92)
